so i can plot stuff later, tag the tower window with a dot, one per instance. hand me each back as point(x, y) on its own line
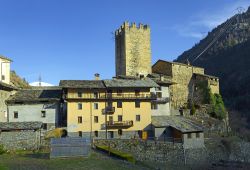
point(96, 119)
point(119, 118)
point(95, 106)
point(137, 104)
point(79, 105)
point(79, 94)
point(138, 118)
point(80, 133)
point(96, 133)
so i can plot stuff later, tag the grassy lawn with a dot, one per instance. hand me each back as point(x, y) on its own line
point(39, 161)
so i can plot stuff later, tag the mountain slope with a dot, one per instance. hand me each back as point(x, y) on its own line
point(17, 81)
point(229, 59)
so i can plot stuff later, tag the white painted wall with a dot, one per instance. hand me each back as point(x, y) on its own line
point(5, 70)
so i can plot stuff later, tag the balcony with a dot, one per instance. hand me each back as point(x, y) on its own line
point(108, 110)
point(162, 100)
point(118, 124)
point(129, 96)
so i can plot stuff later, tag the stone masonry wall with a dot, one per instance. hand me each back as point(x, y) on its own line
point(19, 140)
point(133, 50)
point(4, 95)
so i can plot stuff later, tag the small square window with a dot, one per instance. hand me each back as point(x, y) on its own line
point(15, 114)
point(119, 104)
point(43, 113)
point(138, 118)
point(119, 118)
point(159, 94)
point(79, 119)
point(96, 119)
point(44, 126)
point(96, 133)
point(189, 135)
point(96, 106)
point(79, 106)
point(198, 135)
point(137, 104)
point(80, 133)
point(79, 94)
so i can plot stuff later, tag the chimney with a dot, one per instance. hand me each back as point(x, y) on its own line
point(97, 76)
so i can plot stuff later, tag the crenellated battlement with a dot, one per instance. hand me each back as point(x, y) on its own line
point(126, 26)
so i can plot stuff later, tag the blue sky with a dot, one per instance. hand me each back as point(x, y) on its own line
point(72, 39)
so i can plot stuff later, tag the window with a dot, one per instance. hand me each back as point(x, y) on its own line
point(79, 119)
point(119, 118)
point(119, 104)
point(96, 133)
point(3, 77)
point(80, 133)
point(189, 135)
point(137, 92)
point(96, 106)
point(43, 113)
point(158, 94)
point(198, 135)
point(95, 95)
point(137, 104)
point(154, 106)
point(15, 114)
point(96, 119)
point(79, 106)
point(138, 118)
point(44, 126)
point(79, 94)
point(119, 92)
point(120, 132)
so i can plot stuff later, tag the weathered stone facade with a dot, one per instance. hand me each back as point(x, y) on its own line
point(185, 77)
point(133, 50)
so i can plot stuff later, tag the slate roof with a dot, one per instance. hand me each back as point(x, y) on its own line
point(20, 126)
point(205, 75)
point(172, 62)
point(178, 122)
point(5, 86)
point(87, 84)
point(36, 96)
point(167, 80)
point(6, 58)
point(147, 83)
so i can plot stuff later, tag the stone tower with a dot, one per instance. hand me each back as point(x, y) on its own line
point(132, 50)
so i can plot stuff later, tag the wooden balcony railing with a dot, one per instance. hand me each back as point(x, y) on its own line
point(118, 124)
point(113, 96)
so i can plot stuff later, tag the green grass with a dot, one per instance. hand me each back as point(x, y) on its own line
point(119, 154)
point(40, 161)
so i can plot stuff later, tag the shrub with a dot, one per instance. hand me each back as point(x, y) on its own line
point(2, 151)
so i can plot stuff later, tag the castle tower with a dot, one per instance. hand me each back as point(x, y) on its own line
point(132, 50)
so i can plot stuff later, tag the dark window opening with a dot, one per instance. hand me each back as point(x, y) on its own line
point(43, 113)
point(137, 104)
point(119, 118)
point(79, 94)
point(44, 126)
point(189, 135)
point(79, 106)
point(80, 133)
point(96, 133)
point(79, 119)
point(138, 118)
point(15, 114)
point(120, 132)
point(119, 104)
point(96, 119)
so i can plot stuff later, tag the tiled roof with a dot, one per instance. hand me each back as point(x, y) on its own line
point(36, 95)
point(5, 58)
point(178, 122)
point(20, 125)
point(4, 86)
point(88, 84)
point(130, 83)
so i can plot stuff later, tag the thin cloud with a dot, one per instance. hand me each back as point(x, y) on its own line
point(205, 21)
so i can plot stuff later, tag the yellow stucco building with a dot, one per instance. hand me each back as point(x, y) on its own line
point(116, 108)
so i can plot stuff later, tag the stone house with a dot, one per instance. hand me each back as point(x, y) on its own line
point(185, 77)
point(41, 104)
point(178, 129)
point(116, 108)
point(20, 135)
point(5, 69)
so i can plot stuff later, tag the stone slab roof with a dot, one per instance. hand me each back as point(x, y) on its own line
point(87, 84)
point(166, 80)
point(5, 58)
point(20, 126)
point(4, 86)
point(146, 82)
point(205, 75)
point(178, 122)
point(36, 96)
point(177, 63)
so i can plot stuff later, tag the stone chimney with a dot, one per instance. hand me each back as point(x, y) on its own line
point(97, 76)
